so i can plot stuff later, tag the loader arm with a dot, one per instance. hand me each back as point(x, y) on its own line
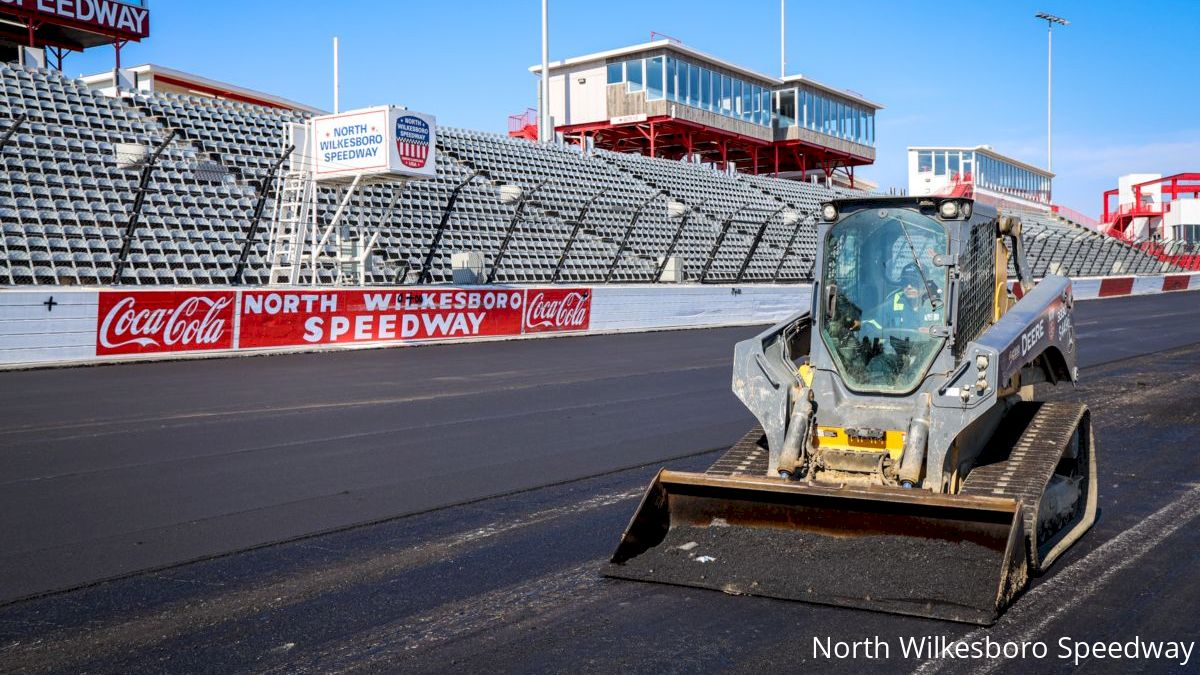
point(1036, 337)
point(1010, 228)
point(764, 373)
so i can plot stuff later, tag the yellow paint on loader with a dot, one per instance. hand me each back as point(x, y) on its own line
point(1000, 296)
point(806, 374)
point(835, 438)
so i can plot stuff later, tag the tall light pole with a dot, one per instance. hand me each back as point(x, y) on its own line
point(782, 40)
point(337, 89)
point(546, 132)
point(1050, 20)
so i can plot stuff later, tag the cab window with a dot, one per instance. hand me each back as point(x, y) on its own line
point(882, 295)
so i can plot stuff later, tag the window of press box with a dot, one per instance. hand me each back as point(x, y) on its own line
point(633, 73)
point(787, 108)
point(654, 79)
point(616, 72)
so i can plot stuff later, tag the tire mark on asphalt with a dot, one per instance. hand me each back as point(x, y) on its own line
point(1044, 603)
point(55, 652)
point(383, 648)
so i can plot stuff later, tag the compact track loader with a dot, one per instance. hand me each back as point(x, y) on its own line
point(900, 462)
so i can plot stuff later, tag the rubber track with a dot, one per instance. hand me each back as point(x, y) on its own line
point(747, 457)
point(1023, 475)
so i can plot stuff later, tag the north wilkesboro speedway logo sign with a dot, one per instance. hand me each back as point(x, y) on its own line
point(412, 141)
point(378, 142)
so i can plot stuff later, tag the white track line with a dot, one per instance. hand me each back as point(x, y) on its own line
point(1083, 577)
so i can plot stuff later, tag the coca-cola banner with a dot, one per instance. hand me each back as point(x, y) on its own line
point(152, 322)
point(288, 318)
point(550, 310)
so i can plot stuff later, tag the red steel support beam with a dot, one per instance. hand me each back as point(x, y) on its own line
point(117, 44)
point(1107, 194)
point(667, 137)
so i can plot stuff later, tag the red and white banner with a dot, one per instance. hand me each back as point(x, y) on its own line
point(106, 16)
point(154, 322)
point(1090, 288)
point(550, 310)
point(315, 317)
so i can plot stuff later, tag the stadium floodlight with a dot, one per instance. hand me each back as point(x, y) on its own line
point(510, 194)
point(1050, 20)
point(676, 210)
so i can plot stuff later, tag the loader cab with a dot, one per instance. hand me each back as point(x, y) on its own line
point(883, 306)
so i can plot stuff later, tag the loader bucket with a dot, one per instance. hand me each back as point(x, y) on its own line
point(900, 551)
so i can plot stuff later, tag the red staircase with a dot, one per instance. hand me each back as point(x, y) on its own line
point(961, 185)
point(523, 125)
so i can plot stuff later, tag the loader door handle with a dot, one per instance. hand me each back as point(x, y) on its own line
point(958, 372)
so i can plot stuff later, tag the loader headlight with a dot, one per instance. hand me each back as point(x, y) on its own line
point(948, 209)
point(966, 209)
point(829, 213)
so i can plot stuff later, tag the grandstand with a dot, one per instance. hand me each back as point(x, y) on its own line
point(1057, 246)
point(589, 216)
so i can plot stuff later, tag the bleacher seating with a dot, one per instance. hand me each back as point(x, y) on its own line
point(1056, 246)
point(65, 202)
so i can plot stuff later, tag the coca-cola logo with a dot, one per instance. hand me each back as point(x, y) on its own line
point(558, 310)
point(150, 322)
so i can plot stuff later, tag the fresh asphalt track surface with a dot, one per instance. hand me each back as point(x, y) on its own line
point(515, 465)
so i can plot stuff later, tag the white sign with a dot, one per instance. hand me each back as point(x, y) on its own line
point(628, 119)
point(380, 141)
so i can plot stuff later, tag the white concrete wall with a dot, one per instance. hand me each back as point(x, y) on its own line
point(576, 102)
point(558, 98)
point(632, 308)
point(1183, 212)
point(588, 100)
point(34, 332)
point(1125, 188)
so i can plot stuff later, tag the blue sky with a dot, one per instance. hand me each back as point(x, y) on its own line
point(949, 73)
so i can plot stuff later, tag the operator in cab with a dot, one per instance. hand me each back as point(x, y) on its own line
point(914, 305)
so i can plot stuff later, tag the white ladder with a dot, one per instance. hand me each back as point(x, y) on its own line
point(290, 227)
